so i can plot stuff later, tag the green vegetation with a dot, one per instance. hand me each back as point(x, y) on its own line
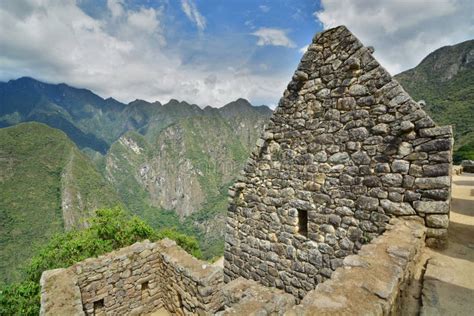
point(159, 162)
point(445, 80)
point(40, 169)
point(203, 149)
point(110, 229)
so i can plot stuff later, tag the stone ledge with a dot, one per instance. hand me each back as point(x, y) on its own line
point(247, 297)
point(60, 294)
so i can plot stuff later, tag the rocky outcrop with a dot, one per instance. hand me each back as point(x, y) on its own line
point(188, 163)
point(468, 166)
point(346, 150)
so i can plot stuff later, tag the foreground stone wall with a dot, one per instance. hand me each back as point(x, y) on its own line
point(134, 280)
point(346, 149)
point(372, 282)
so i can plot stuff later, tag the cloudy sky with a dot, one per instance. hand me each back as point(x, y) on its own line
point(208, 52)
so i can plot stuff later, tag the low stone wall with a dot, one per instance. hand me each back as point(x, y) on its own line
point(146, 276)
point(374, 281)
point(135, 280)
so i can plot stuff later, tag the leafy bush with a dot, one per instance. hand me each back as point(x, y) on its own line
point(110, 229)
point(21, 298)
point(465, 152)
point(190, 244)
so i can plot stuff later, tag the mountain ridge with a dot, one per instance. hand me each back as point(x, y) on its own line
point(87, 118)
point(444, 79)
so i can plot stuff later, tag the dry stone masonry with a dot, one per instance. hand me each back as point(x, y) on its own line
point(135, 280)
point(346, 149)
point(145, 277)
point(329, 216)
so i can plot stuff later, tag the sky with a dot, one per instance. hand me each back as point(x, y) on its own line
point(209, 52)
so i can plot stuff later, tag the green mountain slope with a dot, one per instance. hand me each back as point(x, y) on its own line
point(46, 186)
point(170, 164)
point(445, 80)
point(178, 176)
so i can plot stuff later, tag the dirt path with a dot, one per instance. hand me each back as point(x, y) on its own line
point(448, 287)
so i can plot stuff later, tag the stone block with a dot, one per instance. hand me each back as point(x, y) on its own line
point(436, 131)
point(437, 221)
point(400, 166)
point(435, 145)
point(392, 180)
point(367, 203)
point(433, 183)
point(431, 207)
point(399, 209)
point(441, 169)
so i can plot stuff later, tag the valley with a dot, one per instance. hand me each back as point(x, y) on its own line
point(65, 152)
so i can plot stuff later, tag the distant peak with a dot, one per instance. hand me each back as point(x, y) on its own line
point(142, 102)
point(24, 79)
point(240, 102)
point(176, 102)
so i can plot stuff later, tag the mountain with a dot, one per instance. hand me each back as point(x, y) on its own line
point(186, 167)
point(445, 81)
point(47, 185)
point(89, 120)
point(170, 163)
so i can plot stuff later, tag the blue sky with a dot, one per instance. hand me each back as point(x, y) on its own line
point(208, 52)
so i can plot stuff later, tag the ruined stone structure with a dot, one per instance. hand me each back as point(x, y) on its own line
point(349, 181)
point(133, 281)
point(346, 150)
point(144, 277)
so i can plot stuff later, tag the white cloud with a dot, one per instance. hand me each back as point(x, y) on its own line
point(191, 11)
point(402, 32)
point(144, 20)
point(264, 8)
point(303, 49)
point(122, 54)
point(274, 37)
point(115, 7)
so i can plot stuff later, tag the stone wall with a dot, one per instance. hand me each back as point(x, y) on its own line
point(134, 280)
point(372, 282)
point(376, 280)
point(346, 149)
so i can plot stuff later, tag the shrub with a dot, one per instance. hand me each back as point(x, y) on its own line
point(110, 229)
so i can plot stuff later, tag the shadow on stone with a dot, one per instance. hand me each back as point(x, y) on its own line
point(443, 298)
point(463, 207)
point(464, 182)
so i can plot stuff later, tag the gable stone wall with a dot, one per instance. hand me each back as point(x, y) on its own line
point(346, 149)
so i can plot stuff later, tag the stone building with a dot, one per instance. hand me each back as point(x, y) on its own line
point(346, 149)
point(349, 179)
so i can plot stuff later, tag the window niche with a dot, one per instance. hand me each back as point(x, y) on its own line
point(98, 306)
point(303, 223)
